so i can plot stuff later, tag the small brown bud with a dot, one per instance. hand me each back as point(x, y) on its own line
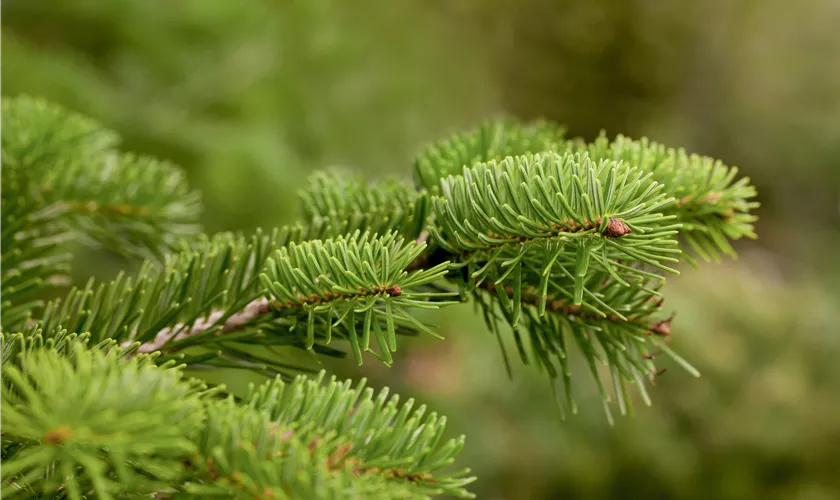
point(394, 291)
point(662, 328)
point(616, 228)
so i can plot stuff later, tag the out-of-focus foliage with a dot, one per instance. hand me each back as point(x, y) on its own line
point(251, 96)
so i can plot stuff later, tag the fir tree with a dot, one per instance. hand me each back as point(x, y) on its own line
point(562, 245)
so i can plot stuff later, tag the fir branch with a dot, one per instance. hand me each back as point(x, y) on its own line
point(17, 347)
point(226, 294)
point(110, 427)
point(547, 196)
point(341, 199)
point(374, 435)
point(242, 454)
point(308, 439)
point(532, 297)
point(625, 339)
point(627, 346)
point(63, 180)
point(204, 289)
point(561, 241)
point(90, 422)
point(539, 211)
point(32, 259)
point(136, 205)
point(711, 204)
point(492, 140)
point(130, 204)
point(329, 282)
point(37, 134)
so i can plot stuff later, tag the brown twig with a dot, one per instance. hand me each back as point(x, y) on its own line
point(392, 290)
point(616, 228)
point(661, 328)
point(253, 310)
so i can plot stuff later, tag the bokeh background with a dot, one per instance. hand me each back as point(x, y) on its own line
point(250, 96)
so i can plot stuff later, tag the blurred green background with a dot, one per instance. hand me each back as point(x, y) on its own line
point(251, 96)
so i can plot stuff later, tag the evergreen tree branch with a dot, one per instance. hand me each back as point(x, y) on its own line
point(545, 229)
point(110, 426)
point(87, 421)
point(64, 180)
point(713, 207)
point(492, 140)
point(558, 305)
point(564, 243)
point(226, 295)
point(38, 134)
point(32, 261)
point(136, 206)
point(130, 204)
point(551, 210)
point(626, 343)
point(340, 278)
point(340, 435)
point(341, 199)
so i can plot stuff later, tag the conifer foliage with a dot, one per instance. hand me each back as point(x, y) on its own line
point(562, 245)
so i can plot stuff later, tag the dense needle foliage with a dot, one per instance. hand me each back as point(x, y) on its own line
point(562, 245)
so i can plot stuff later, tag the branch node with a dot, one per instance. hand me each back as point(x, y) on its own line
point(616, 228)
